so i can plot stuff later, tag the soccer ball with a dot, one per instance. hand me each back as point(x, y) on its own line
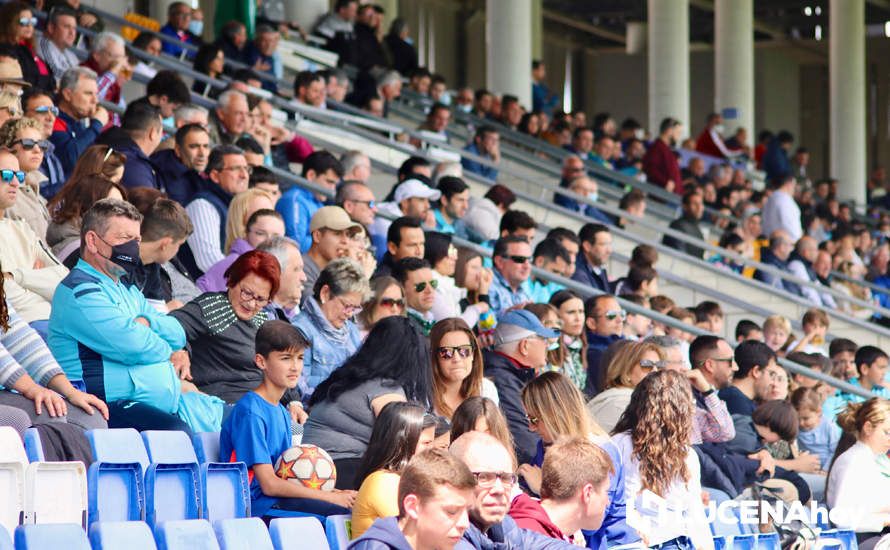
point(309, 465)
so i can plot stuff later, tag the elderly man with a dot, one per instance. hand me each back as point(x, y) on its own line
point(588, 188)
point(358, 201)
point(777, 255)
point(800, 264)
point(77, 103)
point(179, 15)
point(54, 47)
point(228, 123)
point(109, 59)
point(572, 167)
point(356, 166)
point(104, 332)
point(286, 302)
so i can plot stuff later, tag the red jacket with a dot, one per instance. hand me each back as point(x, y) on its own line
point(661, 166)
point(529, 514)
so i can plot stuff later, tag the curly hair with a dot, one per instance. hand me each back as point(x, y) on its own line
point(10, 130)
point(659, 419)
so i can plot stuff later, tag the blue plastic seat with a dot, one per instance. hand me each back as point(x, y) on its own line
point(338, 529)
point(243, 533)
point(196, 534)
point(744, 542)
point(172, 492)
point(719, 543)
point(115, 492)
point(121, 535)
point(768, 541)
point(206, 446)
point(168, 447)
point(69, 536)
point(846, 537)
point(297, 534)
point(5, 541)
point(118, 446)
point(225, 490)
point(33, 445)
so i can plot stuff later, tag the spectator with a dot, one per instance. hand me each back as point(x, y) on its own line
point(570, 242)
point(481, 414)
point(357, 200)
point(54, 47)
point(23, 138)
point(416, 277)
point(108, 58)
point(520, 350)
point(166, 91)
point(516, 223)
point(627, 368)
point(285, 303)
point(659, 162)
point(757, 367)
point(209, 60)
point(603, 146)
point(780, 246)
point(258, 430)
point(481, 223)
point(387, 299)
point(817, 435)
point(356, 166)
point(77, 102)
point(338, 28)
point(512, 268)
point(457, 367)
point(604, 321)
point(400, 52)
point(775, 159)
point(800, 264)
point(710, 140)
point(435, 127)
point(331, 230)
point(689, 224)
point(747, 330)
point(570, 308)
point(588, 188)
point(38, 105)
point(232, 37)
point(140, 133)
point(453, 204)
point(17, 40)
point(346, 404)
point(653, 438)
point(337, 85)
point(228, 122)
point(179, 169)
point(549, 256)
point(130, 343)
point(309, 89)
point(871, 369)
point(401, 431)
point(298, 205)
point(411, 199)
point(443, 257)
point(179, 18)
point(781, 210)
point(542, 98)
point(262, 56)
point(713, 367)
point(582, 144)
point(596, 249)
point(486, 144)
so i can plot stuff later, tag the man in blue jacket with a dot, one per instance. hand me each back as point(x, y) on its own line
point(596, 248)
point(80, 119)
point(297, 205)
point(605, 326)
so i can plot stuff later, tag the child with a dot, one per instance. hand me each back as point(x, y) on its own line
point(871, 367)
point(842, 353)
point(776, 330)
point(815, 325)
point(259, 429)
point(662, 304)
point(817, 435)
point(709, 316)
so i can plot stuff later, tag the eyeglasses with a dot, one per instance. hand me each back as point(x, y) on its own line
point(28, 143)
point(43, 109)
point(518, 259)
point(371, 204)
point(420, 287)
point(613, 314)
point(248, 169)
point(393, 302)
point(6, 175)
point(348, 308)
point(448, 352)
point(532, 419)
point(649, 364)
point(28, 21)
point(249, 296)
point(722, 359)
point(487, 479)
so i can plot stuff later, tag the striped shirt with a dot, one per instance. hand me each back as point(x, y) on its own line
point(22, 351)
point(204, 242)
point(58, 60)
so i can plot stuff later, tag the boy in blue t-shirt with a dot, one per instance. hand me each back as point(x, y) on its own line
point(259, 429)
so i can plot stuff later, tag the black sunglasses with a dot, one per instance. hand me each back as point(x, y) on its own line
point(420, 287)
point(518, 259)
point(28, 143)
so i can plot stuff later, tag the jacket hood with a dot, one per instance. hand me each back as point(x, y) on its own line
point(526, 511)
point(386, 530)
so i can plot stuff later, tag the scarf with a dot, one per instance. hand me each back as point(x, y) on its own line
point(426, 325)
point(334, 335)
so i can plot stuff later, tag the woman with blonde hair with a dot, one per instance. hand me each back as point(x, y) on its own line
point(457, 366)
point(858, 483)
point(653, 437)
point(631, 363)
point(555, 409)
point(23, 137)
point(243, 206)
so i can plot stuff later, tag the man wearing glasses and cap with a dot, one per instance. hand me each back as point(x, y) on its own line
point(520, 349)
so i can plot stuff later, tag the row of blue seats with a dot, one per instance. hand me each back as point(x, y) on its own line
point(229, 534)
point(830, 539)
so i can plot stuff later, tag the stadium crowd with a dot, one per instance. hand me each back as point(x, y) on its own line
point(171, 281)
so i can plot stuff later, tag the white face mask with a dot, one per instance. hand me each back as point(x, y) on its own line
point(465, 108)
point(196, 27)
point(640, 134)
point(718, 128)
point(593, 196)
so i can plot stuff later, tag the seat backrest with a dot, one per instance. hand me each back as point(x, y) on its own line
point(69, 536)
point(298, 533)
point(11, 447)
point(719, 543)
point(33, 445)
point(744, 542)
point(168, 447)
point(56, 492)
point(206, 446)
point(768, 541)
point(195, 534)
point(118, 446)
point(243, 533)
point(12, 487)
point(226, 491)
point(116, 535)
point(116, 492)
point(338, 530)
point(5, 540)
point(172, 492)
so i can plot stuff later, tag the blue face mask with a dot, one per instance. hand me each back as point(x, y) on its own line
point(169, 122)
point(593, 196)
point(465, 108)
point(196, 27)
point(553, 346)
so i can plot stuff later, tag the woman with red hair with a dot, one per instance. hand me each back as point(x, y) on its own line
point(221, 327)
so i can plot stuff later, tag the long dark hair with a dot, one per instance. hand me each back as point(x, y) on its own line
point(204, 56)
point(394, 438)
point(394, 350)
point(472, 384)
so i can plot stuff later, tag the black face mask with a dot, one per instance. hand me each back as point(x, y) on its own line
point(125, 255)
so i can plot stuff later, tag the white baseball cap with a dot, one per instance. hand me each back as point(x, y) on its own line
point(413, 188)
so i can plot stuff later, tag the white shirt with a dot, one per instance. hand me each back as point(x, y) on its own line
point(857, 490)
point(782, 212)
point(683, 500)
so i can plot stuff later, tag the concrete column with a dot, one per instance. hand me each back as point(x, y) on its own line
point(846, 68)
point(508, 30)
point(307, 12)
point(668, 62)
point(537, 29)
point(734, 63)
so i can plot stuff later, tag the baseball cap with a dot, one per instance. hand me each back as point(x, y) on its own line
point(11, 73)
point(414, 188)
point(518, 324)
point(332, 217)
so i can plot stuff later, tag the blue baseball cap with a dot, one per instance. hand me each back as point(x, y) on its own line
point(517, 324)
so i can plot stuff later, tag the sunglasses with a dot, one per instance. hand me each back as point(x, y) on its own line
point(28, 21)
point(6, 175)
point(649, 364)
point(43, 109)
point(448, 352)
point(518, 259)
point(393, 302)
point(28, 143)
point(371, 204)
point(613, 314)
point(420, 287)
point(532, 419)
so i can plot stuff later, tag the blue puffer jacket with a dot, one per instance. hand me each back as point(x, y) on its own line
point(328, 347)
point(506, 535)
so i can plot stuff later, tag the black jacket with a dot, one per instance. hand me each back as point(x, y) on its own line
point(139, 170)
point(509, 379)
point(690, 227)
point(180, 182)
